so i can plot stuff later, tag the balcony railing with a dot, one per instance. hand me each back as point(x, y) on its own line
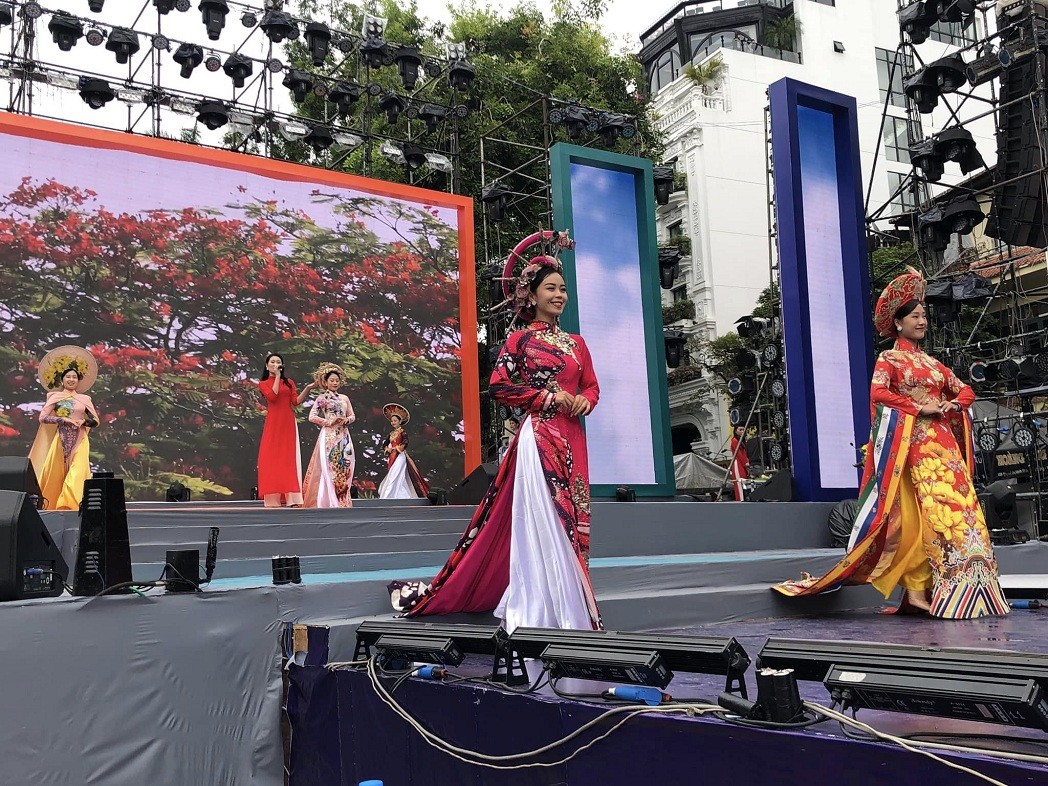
point(704, 7)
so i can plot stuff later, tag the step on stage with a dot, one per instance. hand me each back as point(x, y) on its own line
point(187, 688)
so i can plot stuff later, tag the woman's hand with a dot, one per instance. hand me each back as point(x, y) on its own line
point(582, 406)
point(564, 400)
point(947, 407)
point(932, 409)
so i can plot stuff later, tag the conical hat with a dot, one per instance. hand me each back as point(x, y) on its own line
point(396, 409)
point(61, 359)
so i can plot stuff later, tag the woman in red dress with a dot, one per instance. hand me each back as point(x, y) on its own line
point(740, 463)
point(279, 457)
point(525, 554)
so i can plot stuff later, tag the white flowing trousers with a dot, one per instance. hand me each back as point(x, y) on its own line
point(397, 483)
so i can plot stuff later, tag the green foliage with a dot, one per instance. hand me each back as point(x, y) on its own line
point(719, 353)
point(682, 242)
point(681, 309)
point(888, 262)
point(706, 75)
point(680, 181)
point(682, 374)
point(782, 33)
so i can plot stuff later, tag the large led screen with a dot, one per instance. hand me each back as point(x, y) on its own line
point(605, 200)
point(180, 268)
point(825, 284)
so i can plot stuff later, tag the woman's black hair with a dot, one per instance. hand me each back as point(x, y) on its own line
point(265, 368)
point(60, 375)
point(541, 276)
point(906, 309)
point(328, 376)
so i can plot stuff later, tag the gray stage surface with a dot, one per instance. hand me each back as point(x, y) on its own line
point(185, 689)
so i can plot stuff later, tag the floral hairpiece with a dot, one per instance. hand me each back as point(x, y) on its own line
point(518, 288)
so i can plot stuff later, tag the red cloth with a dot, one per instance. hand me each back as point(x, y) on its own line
point(739, 467)
point(279, 460)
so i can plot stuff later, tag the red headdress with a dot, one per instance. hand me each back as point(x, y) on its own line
point(517, 289)
point(909, 286)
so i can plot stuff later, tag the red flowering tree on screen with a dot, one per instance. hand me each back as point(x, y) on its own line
point(180, 307)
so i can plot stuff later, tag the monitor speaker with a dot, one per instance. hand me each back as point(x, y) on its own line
point(778, 489)
point(31, 566)
point(17, 474)
point(471, 489)
point(103, 555)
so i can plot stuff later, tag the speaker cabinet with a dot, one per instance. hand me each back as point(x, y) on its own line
point(103, 555)
point(779, 488)
point(31, 566)
point(17, 474)
point(471, 489)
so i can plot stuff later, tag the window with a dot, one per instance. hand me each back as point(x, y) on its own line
point(953, 33)
point(904, 65)
point(680, 293)
point(902, 202)
point(896, 139)
point(676, 229)
point(743, 37)
point(664, 70)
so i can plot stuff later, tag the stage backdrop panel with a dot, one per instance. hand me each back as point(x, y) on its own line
point(825, 284)
point(181, 267)
point(607, 202)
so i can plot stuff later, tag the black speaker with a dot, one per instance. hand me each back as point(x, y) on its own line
point(471, 489)
point(31, 566)
point(778, 489)
point(103, 556)
point(17, 474)
point(182, 571)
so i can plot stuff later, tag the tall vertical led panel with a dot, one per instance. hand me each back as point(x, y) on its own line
point(825, 284)
point(607, 202)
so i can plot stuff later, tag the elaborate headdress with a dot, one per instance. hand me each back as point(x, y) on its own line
point(396, 409)
point(326, 368)
point(517, 288)
point(55, 364)
point(909, 286)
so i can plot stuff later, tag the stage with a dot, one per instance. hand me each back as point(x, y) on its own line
point(187, 688)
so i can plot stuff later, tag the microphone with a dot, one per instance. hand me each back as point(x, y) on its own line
point(638, 693)
point(212, 554)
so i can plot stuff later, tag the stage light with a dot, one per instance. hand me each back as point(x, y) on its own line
point(96, 92)
point(986, 67)
point(65, 81)
point(238, 67)
point(96, 5)
point(165, 6)
point(989, 439)
point(344, 44)
point(961, 216)
point(318, 41)
point(348, 140)
point(343, 95)
point(188, 56)
point(401, 638)
point(610, 127)
point(1041, 364)
point(663, 180)
point(1017, 702)
point(130, 95)
point(461, 75)
point(954, 10)
point(182, 106)
point(923, 90)
point(248, 19)
point(319, 138)
point(917, 19)
point(778, 419)
point(177, 492)
point(213, 114)
point(294, 130)
point(242, 123)
point(675, 342)
point(957, 144)
point(440, 162)
point(213, 14)
point(741, 387)
point(749, 326)
point(372, 26)
point(161, 42)
point(299, 82)
point(682, 654)
point(747, 359)
point(771, 353)
point(495, 197)
point(373, 49)
point(123, 43)
point(669, 266)
point(925, 157)
point(274, 65)
point(277, 25)
point(392, 104)
point(373, 89)
point(212, 63)
point(778, 387)
point(574, 117)
point(95, 36)
point(949, 73)
point(778, 450)
point(432, 115)
point(736, 416)
point(408, 61)
point(1024, 436)
point(7, 15)
point(414, 156)
point(32, 10)
point(625, 494)
point(65, 30)
point(392, 152)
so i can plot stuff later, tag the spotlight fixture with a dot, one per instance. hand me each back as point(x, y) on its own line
point(675, 342)
point(96, 92)
point(319, 138)
point(778, 419)
point(212, 63)
point(432, 115)
point(1023, 436)
point(986, 67)
point(771, 353)
point(393, 105)
point(7, 13)
point(242, 123)
point(277, 25)
point(440, 162)
point(373, 49)
point(188, 56)
point(248, 19)
point(777, 452)
point(65, 30)
point(740, 387)
point(213, 14)
point(749, 325)
point(179, 492)
point(348, 140)
point(161, 42)
point(95, 36)
point(164, 6)
point(299, 82)
point(917, 19)
point(274, 65)
point(778, 387)
point(461, 75)
point(408, 60)
point(736, 416)
point(954, 10)
point(392, 151)
point(923, 89)
point(669, 266)
point(949, 73)
point(213, 114)
point(238, 67)
point(344, 44)
point(988, 440)
point(414, 156)
point(372, 26)
point(343, 95)
point(575, 117)
point(663, 179)
point(32, 10)
point(961, 216)
point(610, 127)
point(294, 130)
point(925, 156)
point(495, 197)
point(747, 359)
point(123, 43)
point(318, 41)
point(96, 5)
point(455, 51)
point(957, 144)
